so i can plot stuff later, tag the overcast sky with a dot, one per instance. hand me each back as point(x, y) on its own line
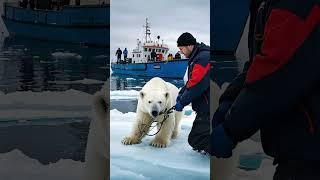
point(168, 18)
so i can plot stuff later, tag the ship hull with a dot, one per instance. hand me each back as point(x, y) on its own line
point(165, 69)
point(88, 25)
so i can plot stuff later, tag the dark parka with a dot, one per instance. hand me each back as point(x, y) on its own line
point(279, 91)
point(196, 90)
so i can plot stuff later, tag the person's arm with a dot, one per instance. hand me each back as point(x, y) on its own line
point(199, 80)
point(233, 89)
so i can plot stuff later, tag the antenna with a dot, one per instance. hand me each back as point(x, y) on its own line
point(147, 33)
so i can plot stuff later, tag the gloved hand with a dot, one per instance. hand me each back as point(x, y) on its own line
point(178, 98)
point(179, 106)
point(221, 145)
point(220, 113)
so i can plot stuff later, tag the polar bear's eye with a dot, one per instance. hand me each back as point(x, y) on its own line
point(159, 102)
point(149, 102)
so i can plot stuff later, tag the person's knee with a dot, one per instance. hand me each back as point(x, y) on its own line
point(191, 140)
point(199, 135)
point(198, 141)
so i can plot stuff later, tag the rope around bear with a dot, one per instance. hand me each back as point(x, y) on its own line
point(148, 127)
point(166, 113)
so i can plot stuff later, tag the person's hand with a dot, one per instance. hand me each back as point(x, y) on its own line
point(220, 113)
point(178, 98)
point(179, 106)
point(221, 145)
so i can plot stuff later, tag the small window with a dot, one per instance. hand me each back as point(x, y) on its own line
point(162, 51)
point(145, 49)
point(132, 55)
point(149, 49)
point(145, 55)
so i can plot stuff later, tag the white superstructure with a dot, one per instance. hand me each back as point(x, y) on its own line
point(142, 53)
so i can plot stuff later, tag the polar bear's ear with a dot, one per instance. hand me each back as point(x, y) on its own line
point(141, 94)
point(166, 95)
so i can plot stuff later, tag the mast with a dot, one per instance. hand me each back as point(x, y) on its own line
point(147, 33)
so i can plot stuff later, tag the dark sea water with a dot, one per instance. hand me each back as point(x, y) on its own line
point(224, 69)
point(124, 83)
point(37, 66)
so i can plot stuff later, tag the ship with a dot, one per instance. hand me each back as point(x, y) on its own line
point(142, 64)
point(87, 24)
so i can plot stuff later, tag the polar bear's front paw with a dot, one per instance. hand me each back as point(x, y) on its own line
point(159, 143)
point(130, 140)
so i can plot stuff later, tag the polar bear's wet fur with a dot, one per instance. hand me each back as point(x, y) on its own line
point(155, 96)
point(97, 151)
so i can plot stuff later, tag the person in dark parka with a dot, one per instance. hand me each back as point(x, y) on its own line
point(196, 90)
point(118, 54)
point(278, 93)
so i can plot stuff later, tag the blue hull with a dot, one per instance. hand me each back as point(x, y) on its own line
point(171, 69)
point(227, 24)
point(88, 25)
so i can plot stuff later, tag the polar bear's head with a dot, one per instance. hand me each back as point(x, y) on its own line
point(154, 101)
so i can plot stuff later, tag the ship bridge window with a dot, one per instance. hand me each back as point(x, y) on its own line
point(145, 55)
point(145, 49)
point(132, 55)
point(162, 51)
point(149, 49)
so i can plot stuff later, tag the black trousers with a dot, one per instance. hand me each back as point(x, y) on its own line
point(297, 171)
point(200, 132)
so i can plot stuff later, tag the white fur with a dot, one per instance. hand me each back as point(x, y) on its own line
point(97, 152)
point(156, 95)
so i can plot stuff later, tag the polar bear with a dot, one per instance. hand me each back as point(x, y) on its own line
point(97, 151)
point(156, 96)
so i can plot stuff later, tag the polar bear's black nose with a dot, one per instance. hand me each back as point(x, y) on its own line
point(154, 113)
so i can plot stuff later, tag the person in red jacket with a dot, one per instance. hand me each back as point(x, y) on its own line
point(196, 90)
point(278, 93)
